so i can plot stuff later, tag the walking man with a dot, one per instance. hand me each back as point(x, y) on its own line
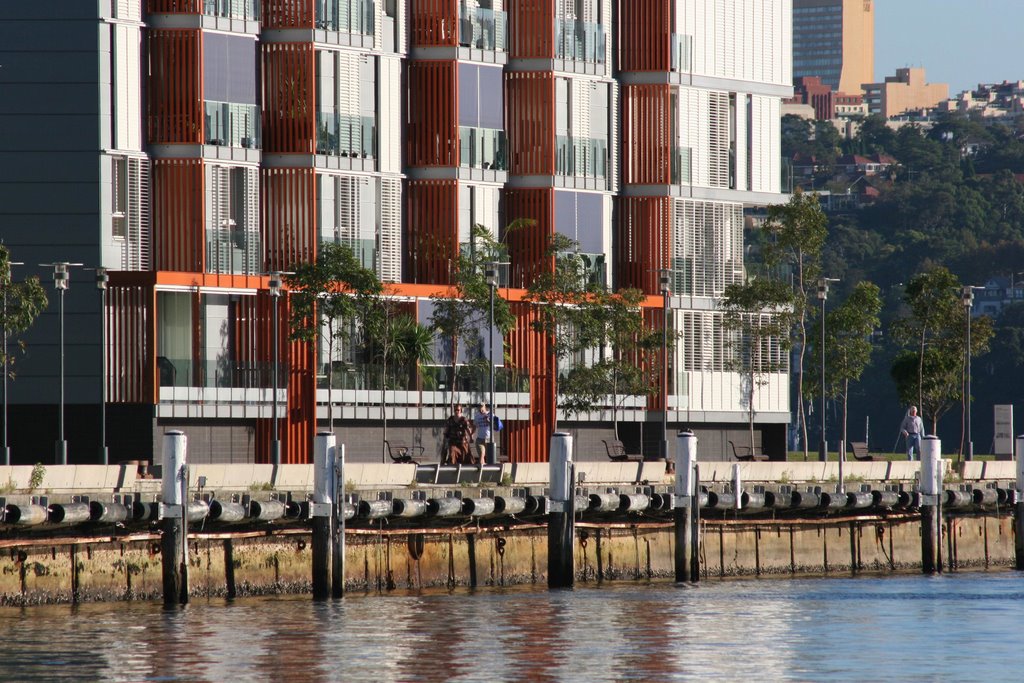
point(912, 430)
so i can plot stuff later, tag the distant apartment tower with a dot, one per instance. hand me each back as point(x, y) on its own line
point(906, 91)
point(835, 40)
point(828, 104)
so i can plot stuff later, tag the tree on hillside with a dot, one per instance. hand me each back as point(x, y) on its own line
point(330, 299)
point(929, 371)
point(759, 314)
point(848, 346)
point(795, 236)
point(23, 302)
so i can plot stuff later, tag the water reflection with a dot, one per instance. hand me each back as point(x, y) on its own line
point(852, 629)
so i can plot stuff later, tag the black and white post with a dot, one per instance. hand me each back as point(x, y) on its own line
point(687, 540)
point(61, 280)
point(322, 512)
point(102, 280)
point(338, 525)
point(931, 504)
point(172, 512)
point(1018, 508)
point(561, 527)
point(274, 289)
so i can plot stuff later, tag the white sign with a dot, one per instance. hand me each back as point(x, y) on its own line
point(1004, 431)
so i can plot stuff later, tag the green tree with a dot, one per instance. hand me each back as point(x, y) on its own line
point(462, 313)
point(330, 300)
point(23, 302)
point(932, 334)
point(848, 329)
point(795, 236)
point(760, 314)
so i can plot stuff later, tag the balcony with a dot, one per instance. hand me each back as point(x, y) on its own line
point(222, 374)
point(483, 148)
point(581, 157)
point(232, 125)
point(582, 41)
point(345, 16)
point(346, 136)
point(484, 29)
point(682, 53)
point(232, 9)
point(682, 166)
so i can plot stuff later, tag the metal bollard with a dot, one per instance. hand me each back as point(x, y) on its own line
point(931, 505)
point(686, 512)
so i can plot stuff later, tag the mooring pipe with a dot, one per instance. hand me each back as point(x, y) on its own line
point(477, 507)
point(859, 500)
point(778, 500)
point(1018, 508)
point(198, 510)
point(721, 501)
point(752, 500)
point(703, 500)
point(407, 507)
point(830, 500)
point(985, 496)
point(293, 509)
point(634, 502)
point(444, 507)
point(348, 511)
point(108, 513)
point(145, 511)
point(25, 515)
point(536, 504)
point(805, 499)
point(885, 499)
point(374, 509)
point(69, 513)
point(509, 505)
point(604, 502)
point(266, 510)
point(661, 501)
point(909, 499)
point(1003, 496)
point(958, 499)
point(1009, 496)
point(226, 511)
point(580, 503)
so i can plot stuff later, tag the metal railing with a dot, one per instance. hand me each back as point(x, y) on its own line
point(582, 41)
point(224, 373)
point(346, 16)
point(233, 9)
point(485, 29)
point(682, 52)
point(581, 157)
point(483, 148)
point(232, 125)
point(682, 166)
point(430, 378)
point(347, 136)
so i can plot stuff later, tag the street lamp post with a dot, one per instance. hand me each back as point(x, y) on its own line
point(491, 275)
point(666, 294)
point(6, 283)
point(275, 442)
point(823, 296)
point(102, 279)
point(967, 297)
point(61, 280)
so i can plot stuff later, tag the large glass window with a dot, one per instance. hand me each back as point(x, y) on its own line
point(347, 115)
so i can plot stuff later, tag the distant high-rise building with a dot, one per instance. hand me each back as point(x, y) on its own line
point(835, 40)
point(906, 91)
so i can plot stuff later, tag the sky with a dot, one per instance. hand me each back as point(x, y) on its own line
point(960, 42)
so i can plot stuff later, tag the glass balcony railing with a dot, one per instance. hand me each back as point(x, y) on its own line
point(682, 166)
point(365, 377)
point(682, 52)
point(232, 125)
point(786, 175)
point(345, 135)
point(224, 373)
point(582, 157)
point(485, 29)
point(582, 41)
point(233, 9)
point(483, 148)
point(345, 16)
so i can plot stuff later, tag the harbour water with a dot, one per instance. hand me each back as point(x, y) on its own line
point(907, 627)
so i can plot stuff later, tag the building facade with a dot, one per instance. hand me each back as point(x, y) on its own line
point(835, 40)
point(908, 90)
point(194, 147)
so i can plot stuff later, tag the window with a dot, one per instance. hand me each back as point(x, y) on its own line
point(119, 197)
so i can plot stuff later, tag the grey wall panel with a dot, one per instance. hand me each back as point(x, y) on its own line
point(469, 95)
point(590, 222)
point(69, 197)
point(50, 167)
point(47, 67)
point(41, 36)
point(48, 99)
point(49, 10)
point(492, 97)
point(229, 68)
point(49, 133)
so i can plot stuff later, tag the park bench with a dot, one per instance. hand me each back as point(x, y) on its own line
point(746, 453)
point(860, 451)
point(403, 453)
point(617, 452)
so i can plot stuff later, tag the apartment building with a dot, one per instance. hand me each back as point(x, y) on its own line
point(193, 147)
point(907, 90)
point(835, 40)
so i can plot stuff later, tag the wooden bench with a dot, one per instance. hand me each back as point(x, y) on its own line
point(617, 452)
point(746, 453)
point(860, 451)
point(403, 453)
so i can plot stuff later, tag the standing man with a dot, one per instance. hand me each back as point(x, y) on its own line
point(482, 420)
point(912, 430)
point(457, 434)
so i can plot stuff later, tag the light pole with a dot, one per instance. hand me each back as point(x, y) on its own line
point(491, 275)
point(823, 296)
point(61, 280)
point(274, 287)
point(102, 279)
point(6, 283)
point(967, 297)
point(666, 294)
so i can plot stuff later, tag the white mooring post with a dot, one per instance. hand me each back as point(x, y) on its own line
point(561, 529)
point(322, 512)
point(174, 539)
point(686, 504)
point(1018, 508)
point(931, 504)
